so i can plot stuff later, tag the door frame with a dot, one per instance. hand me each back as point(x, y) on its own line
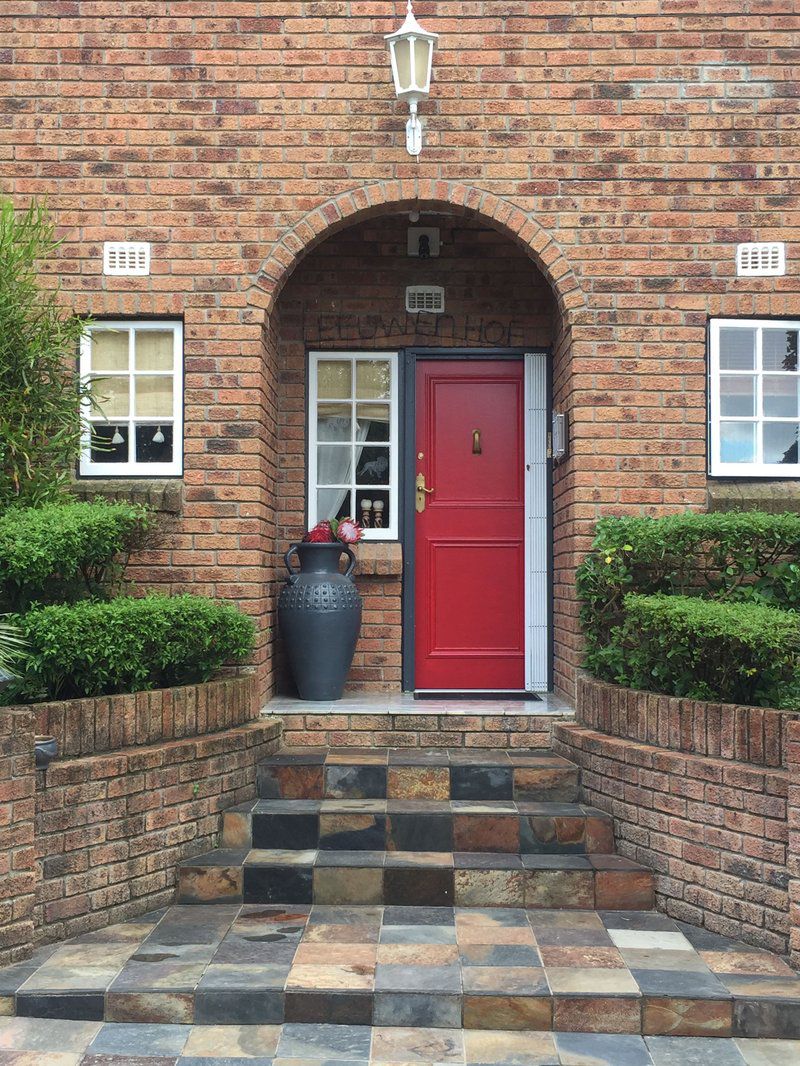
point(408, 358)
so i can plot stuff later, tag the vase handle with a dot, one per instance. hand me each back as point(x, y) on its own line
point(292, 573)
point(351, 556)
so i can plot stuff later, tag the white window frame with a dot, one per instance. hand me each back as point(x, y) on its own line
point(717, 468)
point(391, 531)
point(132, 468)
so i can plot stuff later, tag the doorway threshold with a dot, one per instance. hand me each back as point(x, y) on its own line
point(473, 694)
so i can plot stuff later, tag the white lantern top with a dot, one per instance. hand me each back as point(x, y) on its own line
point(411, 50)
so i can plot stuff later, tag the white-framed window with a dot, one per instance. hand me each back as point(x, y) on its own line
point(754, 398)
point(135, 422)
point(353, 440)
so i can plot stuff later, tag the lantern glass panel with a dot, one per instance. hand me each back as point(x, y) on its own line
point(422, 53)
point(402, 59)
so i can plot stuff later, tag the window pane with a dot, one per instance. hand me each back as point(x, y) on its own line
point(154, 349)
point(780, 397)
point(153, 397)
point(373, 509)
point(111, 395)
point(334, 421)
point(373, 466)
point(737, 349)
point(105, 449)
point(780, 442)
point(334, 465)
point(373, 421)
point(333, 503)
point(779, 349)
point(154, 444)
point(737, 442)
point(373, 379)
point(334, 379)
point(737, 395)
point(109, 349)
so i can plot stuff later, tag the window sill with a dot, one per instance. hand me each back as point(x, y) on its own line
point(775, 497)
point(379, 559)
point(164, 495)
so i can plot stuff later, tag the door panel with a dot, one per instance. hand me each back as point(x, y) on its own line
point(470, 543)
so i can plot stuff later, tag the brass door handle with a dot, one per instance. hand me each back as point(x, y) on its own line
point(420, 493)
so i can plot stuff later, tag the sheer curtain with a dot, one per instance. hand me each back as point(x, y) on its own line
point(334, 465)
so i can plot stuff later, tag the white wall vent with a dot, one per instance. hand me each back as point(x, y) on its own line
point(428, 298)
point(126, 258)
point(763, 260)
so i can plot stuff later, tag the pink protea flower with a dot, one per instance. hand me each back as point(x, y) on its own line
point(348, 531)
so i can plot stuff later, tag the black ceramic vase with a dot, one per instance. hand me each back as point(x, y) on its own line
point(319, 614)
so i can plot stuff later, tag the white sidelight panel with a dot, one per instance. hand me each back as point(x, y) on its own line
point(537, 549)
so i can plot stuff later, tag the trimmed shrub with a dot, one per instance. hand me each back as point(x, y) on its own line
point(748, 556)
point(93, 648)
point(712, 650)
point(67, 551)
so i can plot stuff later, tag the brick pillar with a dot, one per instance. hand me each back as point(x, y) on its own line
point(18, 870)
point(792, 741)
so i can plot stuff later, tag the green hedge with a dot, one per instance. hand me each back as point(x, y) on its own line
point(93, 648)
point(67, 551)
point(706, 649)
point(736, 559)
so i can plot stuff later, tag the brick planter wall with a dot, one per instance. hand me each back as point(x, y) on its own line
point(17, 856)
point(698, 792)
point(793, 761)
point(111, 828)
point(722, 730)
point(107, 723)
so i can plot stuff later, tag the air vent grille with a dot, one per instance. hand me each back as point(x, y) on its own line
point(428, 298)
point(126, 258)
point(763, 260)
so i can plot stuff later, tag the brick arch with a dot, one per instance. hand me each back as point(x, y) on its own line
point(423, 195)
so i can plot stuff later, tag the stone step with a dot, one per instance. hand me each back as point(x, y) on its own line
point(497, 826)
point(396, 773)
point(578, 971)
point(424, 879)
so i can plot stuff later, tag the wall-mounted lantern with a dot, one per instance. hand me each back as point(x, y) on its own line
point(411, 50)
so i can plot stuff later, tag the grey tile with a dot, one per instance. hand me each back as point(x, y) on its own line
point(137, 1039)
point(601, 1049)
point(394, 978)
point(418, 934)
point(769, 1052)
point(345, 1042)
point(417, 1009)
point(693, 1051)
point(419, 916)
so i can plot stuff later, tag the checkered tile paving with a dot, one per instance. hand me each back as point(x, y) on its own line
point(500, 969)
point(62, 1043)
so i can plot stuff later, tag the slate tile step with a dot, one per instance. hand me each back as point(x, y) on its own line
point(425, 879)
point(396, 773)
point(499, 826)
point(639, 973)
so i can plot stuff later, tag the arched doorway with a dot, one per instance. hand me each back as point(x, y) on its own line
point(352, 367)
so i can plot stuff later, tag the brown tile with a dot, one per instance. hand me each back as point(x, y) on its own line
point(299, 782)
point(341, 934)
point(483, 832)
point(511, 1047)
point(542, 782)
point(347, 885)
point(328, 978)
point(597, 1014)
point(599, 835)
point(418, 782)
point(508, 1012)
point(236, 829)
point(210, 884)
point(418, 954)
point(335, 954)
point(7, 1007)
point(746, 962)
point(495, 934)
point(617, 890)
point(163, 1007)
point(489, 888)
point(603, 958)
point(572, 889)
point(670, 1016)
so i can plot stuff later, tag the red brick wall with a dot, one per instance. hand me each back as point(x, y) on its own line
point(112, 828)
point(629, 148)
point(714, 831)
point(793, 761)
point(17, 856)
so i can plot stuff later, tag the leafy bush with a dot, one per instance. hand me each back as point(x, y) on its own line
point(67, 551)
point(93, 648)
point(40, 392)
point(748, 556)
point(706, 649)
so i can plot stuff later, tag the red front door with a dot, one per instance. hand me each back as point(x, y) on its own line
point(470, 537)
